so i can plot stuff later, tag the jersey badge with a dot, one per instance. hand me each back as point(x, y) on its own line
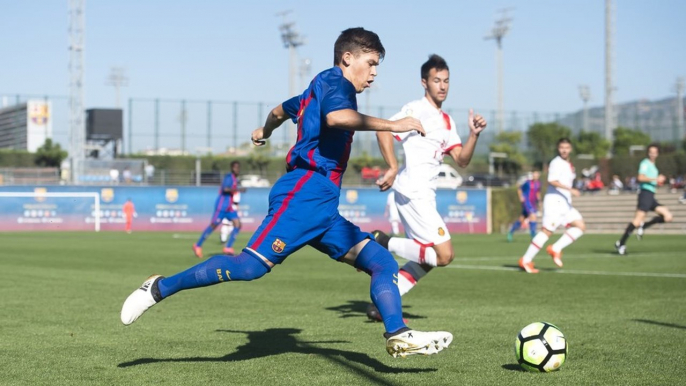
point(278, 246)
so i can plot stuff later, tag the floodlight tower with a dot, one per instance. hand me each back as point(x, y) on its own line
point(585, 94)
point(500, 29)
point(77, 128)
point(291, 39)
point(680, 108)
point(117, 79)
point(610, 123)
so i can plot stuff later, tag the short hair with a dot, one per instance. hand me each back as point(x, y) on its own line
point(564, 140)
point(435, 61)
point(235, 163)
point(655, 145)
point(355, 40)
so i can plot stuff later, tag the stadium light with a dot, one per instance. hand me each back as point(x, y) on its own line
point(291, 39)
point(500, 29)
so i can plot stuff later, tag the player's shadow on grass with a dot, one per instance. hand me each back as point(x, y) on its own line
point(513, 367)
point(358, 308)
point(662, 324)
point(276, 341)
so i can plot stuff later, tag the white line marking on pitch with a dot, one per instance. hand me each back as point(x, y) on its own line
point(573, 272)
point(588, 256)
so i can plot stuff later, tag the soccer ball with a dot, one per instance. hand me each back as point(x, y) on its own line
point(541, 347)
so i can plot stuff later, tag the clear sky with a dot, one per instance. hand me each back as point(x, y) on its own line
point(231, 50)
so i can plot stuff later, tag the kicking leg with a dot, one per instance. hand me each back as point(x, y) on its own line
point(217, 269)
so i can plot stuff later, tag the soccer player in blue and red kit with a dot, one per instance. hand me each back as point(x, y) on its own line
point(223, 209)
point(303, 204)
point(529, 195)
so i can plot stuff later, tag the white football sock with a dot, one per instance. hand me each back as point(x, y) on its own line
point(395, 227)
point(408, 276)
point(536, 244)
point(412, 250)
point(567, 238)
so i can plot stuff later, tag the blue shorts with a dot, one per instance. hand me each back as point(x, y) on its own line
point(528, 209)
point(303, 210)
point(220, 215)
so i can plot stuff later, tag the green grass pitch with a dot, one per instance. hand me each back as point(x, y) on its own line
point(304, 323)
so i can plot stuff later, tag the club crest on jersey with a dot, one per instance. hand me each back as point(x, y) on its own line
point(172, 195)
point(278, 246)
point(441, 231)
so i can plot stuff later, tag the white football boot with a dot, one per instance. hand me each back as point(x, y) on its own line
point(140, 300)
point(411, 342)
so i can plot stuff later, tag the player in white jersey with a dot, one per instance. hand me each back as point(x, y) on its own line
point(428, 242)
point(392, 214)
point(557, 210)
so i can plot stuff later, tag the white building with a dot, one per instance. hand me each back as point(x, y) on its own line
point(25, 126)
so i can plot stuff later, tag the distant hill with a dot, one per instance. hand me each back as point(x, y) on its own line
point(657, 118)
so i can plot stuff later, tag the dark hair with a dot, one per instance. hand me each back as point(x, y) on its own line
point(235, 163)
point(354, 40)
point(436, 62)
point(655, 145)
point(564, 140)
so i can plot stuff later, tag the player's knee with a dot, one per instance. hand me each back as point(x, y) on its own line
point(668, 217)
point(246, 267)
point(582, 226)
point(374, 259)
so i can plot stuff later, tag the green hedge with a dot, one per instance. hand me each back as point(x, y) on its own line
point(669, 165)
point(505, 207)
point(17, 159)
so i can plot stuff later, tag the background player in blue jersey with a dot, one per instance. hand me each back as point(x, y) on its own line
point(224, 209)
point(303, 204)
point(529, 195)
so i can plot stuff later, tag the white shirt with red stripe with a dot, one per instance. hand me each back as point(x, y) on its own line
point(424, 155)
point(563, 172)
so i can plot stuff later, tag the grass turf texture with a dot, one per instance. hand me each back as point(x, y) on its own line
point(304, 322)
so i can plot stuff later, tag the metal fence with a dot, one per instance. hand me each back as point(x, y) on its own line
point(196, 126)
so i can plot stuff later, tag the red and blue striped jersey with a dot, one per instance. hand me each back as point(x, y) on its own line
point(319, 147)
point(530, 190)
point(224, 202)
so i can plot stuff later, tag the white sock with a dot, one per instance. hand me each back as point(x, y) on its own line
point(412, 250)
point(224, 235)
point(408, 276)
point(567, 238)
point(395, 228)
point(536, 244)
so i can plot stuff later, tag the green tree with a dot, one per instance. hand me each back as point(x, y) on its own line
point(543, 139)
point(259, 157)
point(508, 143)
point(625, 137)
point(50, 154)
point(590, 142)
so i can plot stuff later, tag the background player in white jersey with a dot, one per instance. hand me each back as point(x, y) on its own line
point(428, 242)
point(392, 214)
point(227, 226)
point(557, 210)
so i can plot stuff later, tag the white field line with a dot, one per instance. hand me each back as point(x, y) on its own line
point(572, 271)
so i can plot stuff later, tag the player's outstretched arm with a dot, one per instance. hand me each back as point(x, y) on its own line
point(463, 155)
point(385, 140)
point(275, 119)
point(351, 120)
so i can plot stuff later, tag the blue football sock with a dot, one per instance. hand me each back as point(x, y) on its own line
point(205, 234)
point(232, 237)
point(216, 269)
point(532, 228)
point(379, 263)
point(515, 225)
